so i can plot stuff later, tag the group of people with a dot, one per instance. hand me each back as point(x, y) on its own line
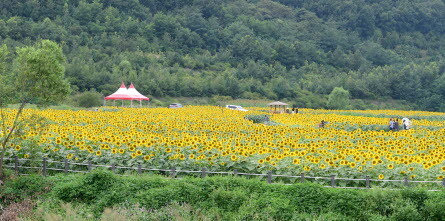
point(322, 124)
point(395, 126)
point(292, 111)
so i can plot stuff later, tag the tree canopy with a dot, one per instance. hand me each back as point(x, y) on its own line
point(256, 48)
point(38, 76)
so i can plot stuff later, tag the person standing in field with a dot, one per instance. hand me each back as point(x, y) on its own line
point(396, 124)
point(391, 124)
point(406, 123)
point(321, 125)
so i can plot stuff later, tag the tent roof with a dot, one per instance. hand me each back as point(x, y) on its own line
point(135, 94)
point(277, 103)
point(120, 94)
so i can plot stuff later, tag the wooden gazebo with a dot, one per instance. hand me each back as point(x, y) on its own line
point(277, 107)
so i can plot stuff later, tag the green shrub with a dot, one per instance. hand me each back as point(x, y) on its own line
point(328, 216)
point(379, 201)
point(158, 197)
point(88, 99)
point(228, 200)
point(272, 205)
point(405, 210)
point(308, 197)
point(88, 188)
point(24, 187)
point(222, 198)
point(69, 192)
point(349, 203)
point(416, 196)
point(258, 118)
point(434, 209)
point(338, 99)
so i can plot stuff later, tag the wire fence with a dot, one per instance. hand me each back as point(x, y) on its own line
point(66, 166)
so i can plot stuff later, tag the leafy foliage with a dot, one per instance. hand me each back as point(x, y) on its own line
point(37, 77)
point(271, 49)
point(88, 99)
point(223, 198)
point(338, 99)
point(39, 74)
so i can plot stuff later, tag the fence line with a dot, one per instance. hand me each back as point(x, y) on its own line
point(173, 172)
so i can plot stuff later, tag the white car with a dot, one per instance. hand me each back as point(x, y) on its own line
point(235, 107)
point(175, 105)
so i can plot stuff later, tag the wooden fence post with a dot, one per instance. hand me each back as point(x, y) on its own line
point(332, 180)
point(113, 168)
point(44, 166)
point(443, 182)
point(406, 181)
point(203, 172)
point(269, 177)
point(16, 165)
point(235, 172)
point(302, 177)
point(139, 168)
point(368, 182)
point(90, 166)
point(172, 172)
point(66, 166)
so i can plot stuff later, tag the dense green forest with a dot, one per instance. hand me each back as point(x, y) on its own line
point(296, 50)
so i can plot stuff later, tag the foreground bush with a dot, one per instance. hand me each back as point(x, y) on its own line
point(219, 198)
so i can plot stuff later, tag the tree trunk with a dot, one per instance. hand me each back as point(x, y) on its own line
point(5, 142)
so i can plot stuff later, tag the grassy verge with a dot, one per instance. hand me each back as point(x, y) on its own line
point(100, 195)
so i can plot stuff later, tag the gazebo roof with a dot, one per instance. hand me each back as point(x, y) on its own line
point(277, 103)
point(120, 94)
point(135, 94)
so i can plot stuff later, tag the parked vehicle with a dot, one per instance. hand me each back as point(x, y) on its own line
point(175, 105)
point(235, 107)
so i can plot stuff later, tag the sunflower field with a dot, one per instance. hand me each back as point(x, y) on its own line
point(353, 144)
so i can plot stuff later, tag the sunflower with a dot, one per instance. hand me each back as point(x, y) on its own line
point(381, 177)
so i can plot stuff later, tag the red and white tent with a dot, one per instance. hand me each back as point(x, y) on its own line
point(135, 95)
point(127, 94)
point(120, 94)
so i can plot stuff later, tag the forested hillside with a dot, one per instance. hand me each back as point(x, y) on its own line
point(294, 49)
